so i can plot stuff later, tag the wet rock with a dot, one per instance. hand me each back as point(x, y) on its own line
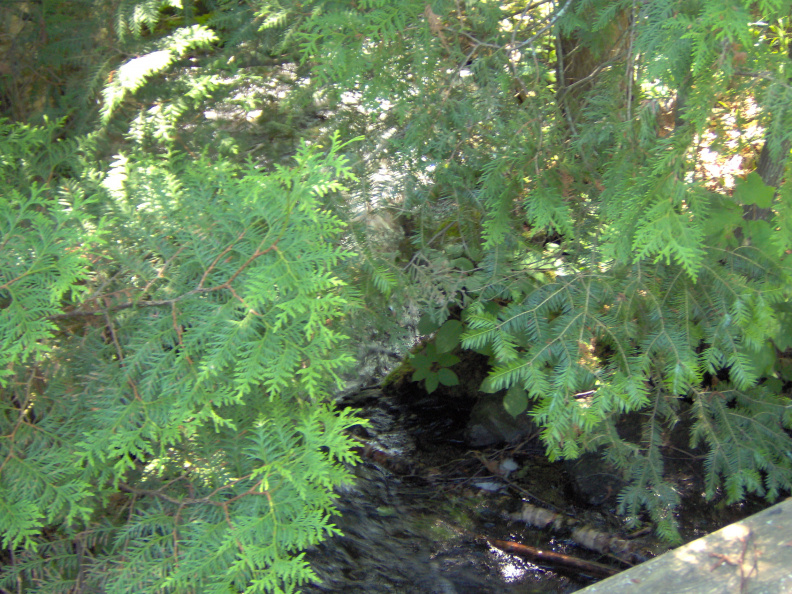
point(490, 486)
point(490, 423)
point(507, 466)
point(593, 480)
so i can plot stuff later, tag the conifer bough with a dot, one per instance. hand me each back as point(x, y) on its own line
point(179, 272)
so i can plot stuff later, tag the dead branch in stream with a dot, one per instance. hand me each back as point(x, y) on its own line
point(551, 557)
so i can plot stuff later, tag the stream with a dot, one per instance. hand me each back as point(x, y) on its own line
point(427, 507)
point(419, 515)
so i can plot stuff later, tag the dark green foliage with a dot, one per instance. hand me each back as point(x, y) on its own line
point(179, 273)
point(587, 214)
point(433, 367)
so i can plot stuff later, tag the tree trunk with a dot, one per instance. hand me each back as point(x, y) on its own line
point(582, 57)
point(770, 169)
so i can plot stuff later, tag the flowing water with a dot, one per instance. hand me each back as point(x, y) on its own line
point(409, 527)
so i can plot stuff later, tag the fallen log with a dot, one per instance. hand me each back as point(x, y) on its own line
point(541, 556)
point(627, 551)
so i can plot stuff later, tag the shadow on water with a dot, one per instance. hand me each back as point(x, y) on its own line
point(425, 506)
point(413, 522)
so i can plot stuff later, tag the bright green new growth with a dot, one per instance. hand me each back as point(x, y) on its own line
point(182, 409)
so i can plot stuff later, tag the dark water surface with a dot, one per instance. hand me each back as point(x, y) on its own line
point(419, 516)
point(410, 526)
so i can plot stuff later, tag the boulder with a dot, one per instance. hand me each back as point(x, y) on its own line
point(490, 423)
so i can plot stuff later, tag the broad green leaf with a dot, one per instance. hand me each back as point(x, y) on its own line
point(421, 361)
point(761, 234)
point(487, 386)
point(515, 401)
point(474, 253)
point(426, 325)
point(784, 369)
point(447, 377)
point(485, 350)
point(420, 374)
point(463, 264)
point(492, 307)
point(724, 217)
point(752, 190)
point(447, 359)
point(447, 337)
point(764, 359)
point(431, 383)
point(783, 340)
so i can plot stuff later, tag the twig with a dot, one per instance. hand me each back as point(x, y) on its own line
point(529, 41)
point(428, 243)
point(101, 311)
point(562, 87)
point(740, 561)
point(227, 249)
point(631, 63)
point(135, 303)
point(111, 330)
point(586, 536)
point(549, 24)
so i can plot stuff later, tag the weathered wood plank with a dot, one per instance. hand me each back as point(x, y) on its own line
point(753, 556)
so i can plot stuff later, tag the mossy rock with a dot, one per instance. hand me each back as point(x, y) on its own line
point(490, 423)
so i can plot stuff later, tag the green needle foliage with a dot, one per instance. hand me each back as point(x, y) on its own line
point(163, 373)
point(184, 252)
point(560, 153)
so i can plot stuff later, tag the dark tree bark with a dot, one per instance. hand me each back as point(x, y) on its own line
point(582, 57)
point(770, 168)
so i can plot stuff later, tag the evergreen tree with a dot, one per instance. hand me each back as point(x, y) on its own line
point(179, 271)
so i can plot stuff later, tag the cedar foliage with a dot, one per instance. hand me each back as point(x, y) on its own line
point(179, 272)
point(168, 336)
